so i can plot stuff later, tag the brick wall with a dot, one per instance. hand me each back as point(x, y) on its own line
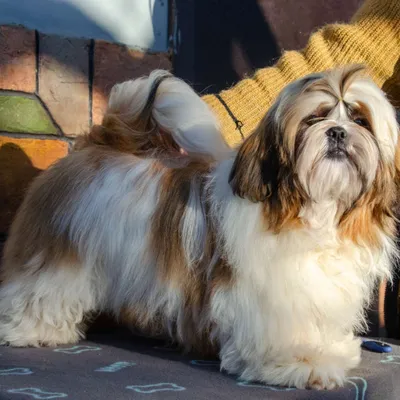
point(53, 89)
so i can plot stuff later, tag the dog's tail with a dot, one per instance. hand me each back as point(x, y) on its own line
point(158, 114)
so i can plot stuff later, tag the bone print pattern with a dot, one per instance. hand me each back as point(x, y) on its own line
point(37, 393)
point(15, 371)
point(156, 387)
point(125, 369)
point(117, 366)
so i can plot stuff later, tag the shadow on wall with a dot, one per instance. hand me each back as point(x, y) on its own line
point(231, 40)
point(392, 86)
point(16, 173)
point(293, 21)
point(225, 40)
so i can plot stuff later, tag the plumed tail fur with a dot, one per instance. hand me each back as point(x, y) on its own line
point(157, 114)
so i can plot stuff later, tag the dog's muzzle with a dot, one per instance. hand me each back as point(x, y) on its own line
point(337, 141)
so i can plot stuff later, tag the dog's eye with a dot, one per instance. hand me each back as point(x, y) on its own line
point(362, 122)
point(313, 119)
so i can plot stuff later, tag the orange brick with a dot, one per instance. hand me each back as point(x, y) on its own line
point(116, 63)
point(40, 152)
point(18, 59)
point(21, 160)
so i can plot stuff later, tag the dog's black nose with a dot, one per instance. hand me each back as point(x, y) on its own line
point(336, 133)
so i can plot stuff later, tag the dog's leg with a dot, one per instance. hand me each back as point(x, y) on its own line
point(45, 308)
point(330, 364)
point(313, 367)
point(276, 347)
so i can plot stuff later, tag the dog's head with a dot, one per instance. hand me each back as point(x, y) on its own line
point(329, 137)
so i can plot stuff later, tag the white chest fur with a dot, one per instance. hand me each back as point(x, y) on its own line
point(299, 285)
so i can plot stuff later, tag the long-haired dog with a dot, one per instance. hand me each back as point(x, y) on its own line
point(268, 253)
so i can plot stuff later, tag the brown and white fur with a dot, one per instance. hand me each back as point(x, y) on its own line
point(268, 252)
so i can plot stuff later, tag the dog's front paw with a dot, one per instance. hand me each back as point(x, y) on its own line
point(300, 375)
point(325, 378)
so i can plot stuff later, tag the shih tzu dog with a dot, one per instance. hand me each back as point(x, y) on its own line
point(267, 253)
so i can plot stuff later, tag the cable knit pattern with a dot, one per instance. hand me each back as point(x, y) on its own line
point(372, 38)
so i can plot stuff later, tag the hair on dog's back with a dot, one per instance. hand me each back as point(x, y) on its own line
point(158, 114)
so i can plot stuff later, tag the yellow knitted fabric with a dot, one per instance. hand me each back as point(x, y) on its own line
point(372, 38)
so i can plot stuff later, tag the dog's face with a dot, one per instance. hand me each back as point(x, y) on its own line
point(330, 137)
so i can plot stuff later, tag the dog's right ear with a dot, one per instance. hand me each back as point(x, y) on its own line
point(264, 172)
point(263, 169)
point(254, 174)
